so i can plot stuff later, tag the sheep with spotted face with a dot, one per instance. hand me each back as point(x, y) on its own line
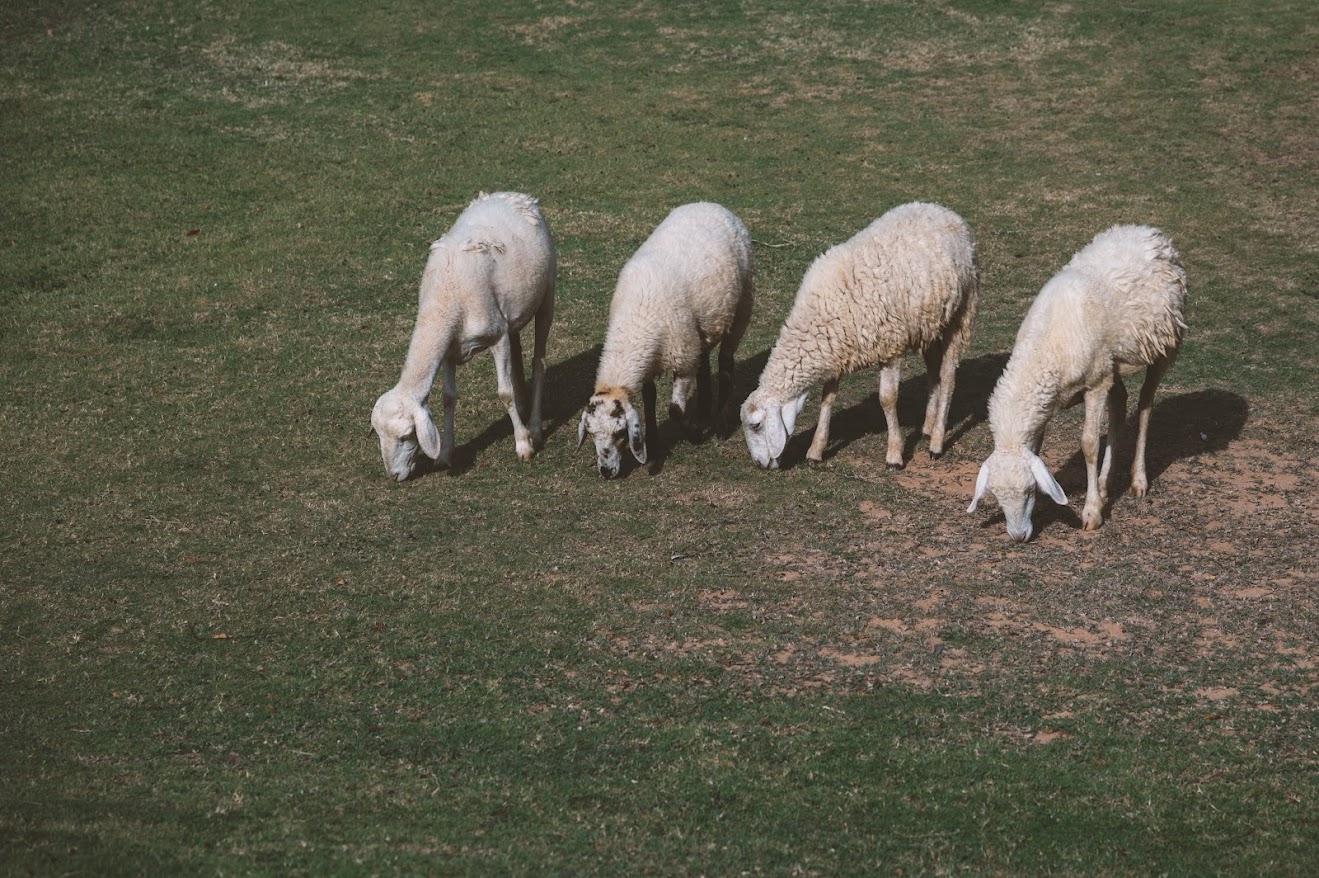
point(485, 279)
point(1115, 309)
point(908, 281)
point(687, 288)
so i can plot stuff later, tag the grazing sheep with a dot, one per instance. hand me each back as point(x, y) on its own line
point(907, 281)
point(486, 278)
point(1115, 309)
point(686, 289)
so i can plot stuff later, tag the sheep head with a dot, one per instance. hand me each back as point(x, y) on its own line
point(405, 427)
point(612, 422)
point(1013, 477)
point(766, 425)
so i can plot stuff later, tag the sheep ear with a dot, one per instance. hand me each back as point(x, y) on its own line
point(790, 410)
point(636, 436)
point(776, 434)
point(427, 436)
point(1046, 482)
point(581, 431)
point(981, 481)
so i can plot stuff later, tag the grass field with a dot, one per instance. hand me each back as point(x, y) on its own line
point(230, 645)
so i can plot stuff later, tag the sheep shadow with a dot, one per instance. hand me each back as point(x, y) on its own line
point(746, 375)
point(568, 385)
point(1182, 426)
point(976, 378)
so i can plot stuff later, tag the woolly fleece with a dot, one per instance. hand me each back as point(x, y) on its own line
point(485, 279)
point(907, 281)
point(687, 288)
point(1116, 308)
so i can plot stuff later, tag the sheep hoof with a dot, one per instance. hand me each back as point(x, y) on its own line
point(894, 466)
point(814, 462)
point(935, 455)
point(1091, 521)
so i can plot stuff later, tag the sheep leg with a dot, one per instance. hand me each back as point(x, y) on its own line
point(1092, 516)
point(1117, 422)
point(947, 381)
point(890, 376)
point(704, 401)
point(958, 342)
point(520, 395)
point(449, 402)
point(680, 406)
point(933, 376)
point(648, 406)
point(543, 319)
point(724, 401)
point(941, 373)
point(505, 368)
point(827, 397)
point(1140, 484)
point(727, 349)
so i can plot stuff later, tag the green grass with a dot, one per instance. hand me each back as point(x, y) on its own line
point(228, 644)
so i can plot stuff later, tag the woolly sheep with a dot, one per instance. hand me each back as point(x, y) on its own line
point(686, 289)
point(485, 279)
point(907, 281)
point(1115, 309)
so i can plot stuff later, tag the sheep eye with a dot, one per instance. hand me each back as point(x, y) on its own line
point(620, 435)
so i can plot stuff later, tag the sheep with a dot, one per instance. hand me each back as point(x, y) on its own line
point(910, 280)
point(687, 288)
point(485, 279)
point(1115, 309)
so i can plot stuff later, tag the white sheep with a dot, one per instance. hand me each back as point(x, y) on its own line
point(907, 281)
point(686, 289)
point(486, 278)
point(1115, 309)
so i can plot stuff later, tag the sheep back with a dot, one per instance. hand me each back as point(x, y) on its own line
point(1119, 303)
point(1137, 289)
point(894, 286)
point(500, 246)
point(677, 296)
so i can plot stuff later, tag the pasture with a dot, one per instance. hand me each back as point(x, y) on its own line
point(230, 645)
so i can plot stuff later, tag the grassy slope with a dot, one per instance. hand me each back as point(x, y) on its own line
point(214, 220)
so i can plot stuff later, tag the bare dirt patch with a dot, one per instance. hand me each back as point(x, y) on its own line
point(1209, 580)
